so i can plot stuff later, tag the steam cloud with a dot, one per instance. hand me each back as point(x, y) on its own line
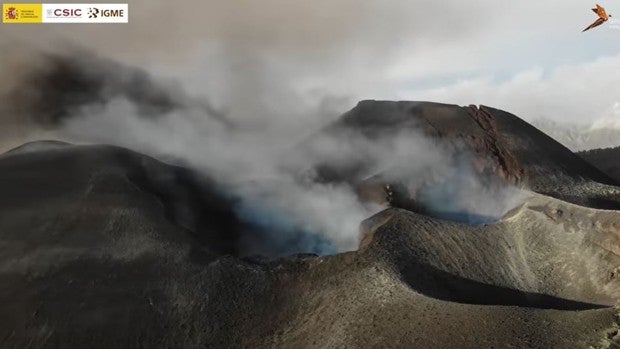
point(271, 169)
point(249, 136)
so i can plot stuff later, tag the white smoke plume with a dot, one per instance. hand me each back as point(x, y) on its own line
point(272, 174)
point(264, 161)
point(232, 94)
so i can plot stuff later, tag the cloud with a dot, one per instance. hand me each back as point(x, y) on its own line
point(576, 93)
point(279, 55)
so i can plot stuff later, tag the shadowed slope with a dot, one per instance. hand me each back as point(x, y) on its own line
point(607, 160)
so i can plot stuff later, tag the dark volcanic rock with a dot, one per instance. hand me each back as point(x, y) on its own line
point(55, 174)
point(503, 144)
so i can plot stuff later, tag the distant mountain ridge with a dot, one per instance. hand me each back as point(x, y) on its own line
point(580, 137)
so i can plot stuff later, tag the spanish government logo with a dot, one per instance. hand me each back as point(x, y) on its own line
point(21, 13)
point(11, 14)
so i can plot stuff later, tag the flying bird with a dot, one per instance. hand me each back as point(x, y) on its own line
point(602, 17)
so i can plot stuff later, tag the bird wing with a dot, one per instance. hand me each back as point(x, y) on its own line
point(595, 24)
point(600, 11)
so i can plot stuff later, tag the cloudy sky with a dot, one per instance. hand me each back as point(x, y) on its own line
point(528, 57)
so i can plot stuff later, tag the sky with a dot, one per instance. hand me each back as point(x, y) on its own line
point(527, 57)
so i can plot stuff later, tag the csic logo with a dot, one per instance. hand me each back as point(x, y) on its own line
point(11, 13)
point(93, 12)
point(64, 12)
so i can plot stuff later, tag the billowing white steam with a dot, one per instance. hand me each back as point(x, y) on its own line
point(268, 170)
point(253, 149)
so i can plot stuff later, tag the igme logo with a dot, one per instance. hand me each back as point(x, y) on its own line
point(93, 12)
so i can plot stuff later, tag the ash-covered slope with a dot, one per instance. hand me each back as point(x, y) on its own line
point(91, 258)
point(50, 176)
point(545, 247)
point(104, 247)
point(607, 160)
